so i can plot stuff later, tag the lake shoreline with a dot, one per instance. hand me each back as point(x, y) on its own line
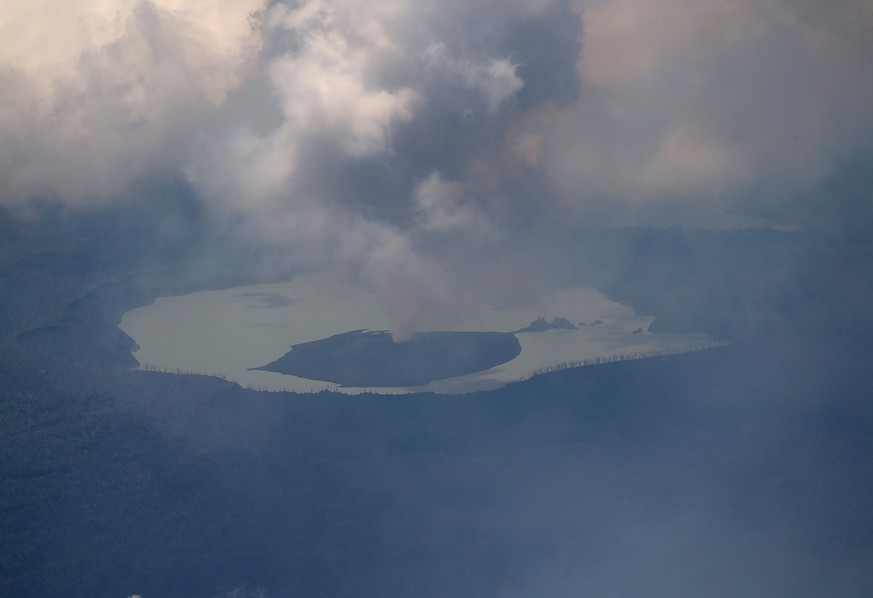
point(234, 332)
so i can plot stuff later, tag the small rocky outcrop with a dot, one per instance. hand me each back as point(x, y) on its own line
point(540, 325)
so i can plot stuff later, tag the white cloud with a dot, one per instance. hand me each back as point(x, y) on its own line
point(98, 94)
point(442, 207)
point(316, 123)
point(324, 85)
point(494, 78)
point(708, 102)
point(342, 76)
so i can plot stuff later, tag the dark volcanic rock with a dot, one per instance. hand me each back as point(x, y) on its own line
point(540, 324)
point(366, 358)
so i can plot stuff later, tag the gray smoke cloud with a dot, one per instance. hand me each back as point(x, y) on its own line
point(437, 152)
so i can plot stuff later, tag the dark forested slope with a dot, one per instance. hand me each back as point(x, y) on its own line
point(743, 470)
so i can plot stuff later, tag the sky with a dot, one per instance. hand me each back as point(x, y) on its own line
point(439, 152)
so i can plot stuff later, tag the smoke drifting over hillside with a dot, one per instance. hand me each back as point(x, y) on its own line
point(438, 151)
point(446, 154)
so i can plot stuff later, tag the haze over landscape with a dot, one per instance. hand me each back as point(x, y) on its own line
point(404, 188)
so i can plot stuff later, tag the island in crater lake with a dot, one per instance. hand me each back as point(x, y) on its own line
point(363, 358)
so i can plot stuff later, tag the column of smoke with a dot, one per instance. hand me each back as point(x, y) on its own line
point(434, 152)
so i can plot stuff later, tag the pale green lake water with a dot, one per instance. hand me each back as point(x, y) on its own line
point(225, 332)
